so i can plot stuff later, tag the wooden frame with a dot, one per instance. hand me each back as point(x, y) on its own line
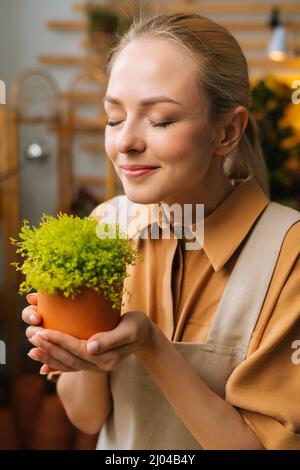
point(14, 116)
point(9, 213)
point(75, 125)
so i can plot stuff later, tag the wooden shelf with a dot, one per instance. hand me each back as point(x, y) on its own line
point(246, 44)
point(261, 44)
point(92, 147)
point(254, 26)
point(67, 25)
point(81, 97)
point(89, 122)
point(91, 61)
point(37, 120)
point(96, 181)
point(90, 180)
point(267, 63)
point(72, 25)
point(217, 7)
point(69, 60)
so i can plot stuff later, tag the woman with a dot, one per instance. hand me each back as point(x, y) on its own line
point(205, 343)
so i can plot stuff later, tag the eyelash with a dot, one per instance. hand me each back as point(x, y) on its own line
point(159, 124)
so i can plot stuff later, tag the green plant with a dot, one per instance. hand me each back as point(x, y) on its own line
point(102, 20)
point(271, 104)
point(65, 253)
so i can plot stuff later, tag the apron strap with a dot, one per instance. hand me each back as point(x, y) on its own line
point(245, 292)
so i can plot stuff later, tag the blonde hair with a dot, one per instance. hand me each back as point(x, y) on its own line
point(222, 76)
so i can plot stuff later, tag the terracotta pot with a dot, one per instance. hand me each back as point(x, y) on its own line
point(53, 429)
point(83, 316)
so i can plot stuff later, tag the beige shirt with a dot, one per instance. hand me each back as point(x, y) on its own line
point(180, 291)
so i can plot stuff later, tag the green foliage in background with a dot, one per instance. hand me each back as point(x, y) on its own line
point(65, 253)
point(271, 100)
point(104, 20)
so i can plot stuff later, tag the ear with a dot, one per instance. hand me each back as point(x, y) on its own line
point(230, 133)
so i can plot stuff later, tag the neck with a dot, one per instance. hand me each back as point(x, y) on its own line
point(210, 192)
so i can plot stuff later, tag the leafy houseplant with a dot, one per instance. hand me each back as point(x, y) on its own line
point(103, 24)
point(271, 108)
point(76, 272)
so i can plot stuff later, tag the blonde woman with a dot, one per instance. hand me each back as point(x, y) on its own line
point(204, 356)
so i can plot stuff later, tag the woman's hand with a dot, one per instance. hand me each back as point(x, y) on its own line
point(100, 353)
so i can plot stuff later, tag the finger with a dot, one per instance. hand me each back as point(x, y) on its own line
point(39, 355)
point(31, 316)
point(109, 360)
point(124, 333)
point(60, 354)
point(32, 330)
point(70, 343)
point(46, 369)
point(32, 298)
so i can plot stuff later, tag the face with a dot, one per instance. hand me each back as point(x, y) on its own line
point(160, 150)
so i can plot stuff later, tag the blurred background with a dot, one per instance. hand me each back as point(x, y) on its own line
point(52, 155)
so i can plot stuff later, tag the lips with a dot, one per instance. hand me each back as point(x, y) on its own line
point(136, 171)
point(138, 167)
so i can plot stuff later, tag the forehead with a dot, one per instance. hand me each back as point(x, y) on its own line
point(153, 66)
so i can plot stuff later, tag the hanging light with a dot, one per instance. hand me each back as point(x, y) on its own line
point(277, 47)
point(37, 151)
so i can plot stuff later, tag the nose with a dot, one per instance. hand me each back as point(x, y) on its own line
point(130, 139)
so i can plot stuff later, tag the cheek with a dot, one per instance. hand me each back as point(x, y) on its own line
point(110, 147)
point(183, 146)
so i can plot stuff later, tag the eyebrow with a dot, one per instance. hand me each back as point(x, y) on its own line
point(145, 102)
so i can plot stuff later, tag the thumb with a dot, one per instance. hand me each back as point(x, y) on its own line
point(107, 340)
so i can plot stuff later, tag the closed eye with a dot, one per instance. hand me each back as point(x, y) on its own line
point(112, 123)
point(162, 124)
point(154, 124)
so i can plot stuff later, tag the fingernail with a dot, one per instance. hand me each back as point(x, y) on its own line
point(32, 317)
point(35, 341)
point(29, 295)
point(43, 373)
point(31, 355)
point(92, 347)
point(42, 334)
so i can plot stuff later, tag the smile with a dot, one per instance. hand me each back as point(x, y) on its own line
point(138, 172)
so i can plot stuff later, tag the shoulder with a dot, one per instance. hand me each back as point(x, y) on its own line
point(104, 209)
point(290, 248)
point(292, 238)
point(131, 216)
point(285, 220)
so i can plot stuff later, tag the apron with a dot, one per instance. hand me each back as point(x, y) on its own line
point(141, 416)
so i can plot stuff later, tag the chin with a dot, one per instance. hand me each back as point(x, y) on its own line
point(140, 196)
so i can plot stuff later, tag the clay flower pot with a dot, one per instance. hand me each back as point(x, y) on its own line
point(83, 316)
point(78, 267)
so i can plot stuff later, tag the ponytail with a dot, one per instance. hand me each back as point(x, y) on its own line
point(248, 158)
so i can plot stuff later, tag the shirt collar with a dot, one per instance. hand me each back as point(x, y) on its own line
point(224, 229)
point(227, 226)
